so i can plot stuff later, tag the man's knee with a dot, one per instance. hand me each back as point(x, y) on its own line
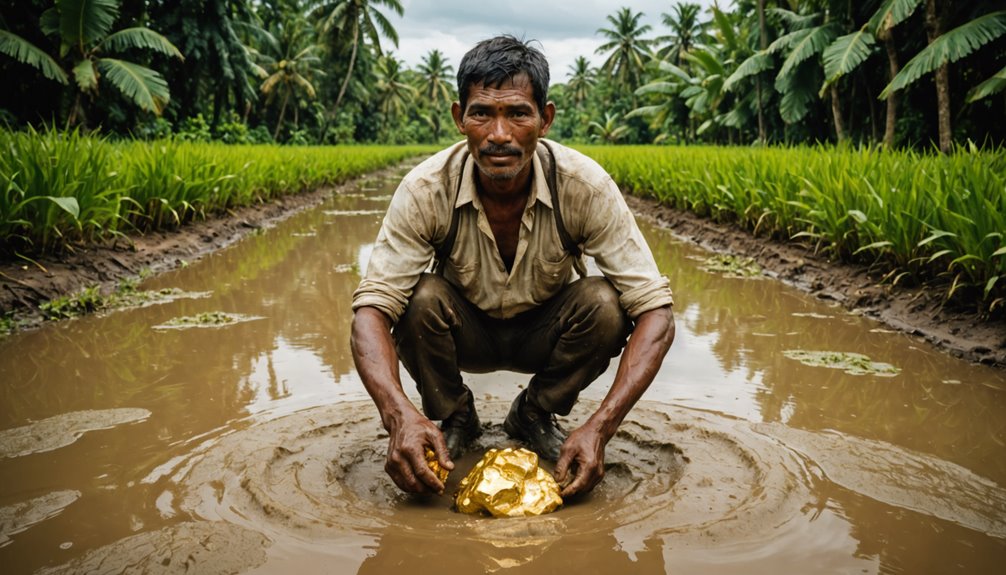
point(427, 307)
point(602, 311)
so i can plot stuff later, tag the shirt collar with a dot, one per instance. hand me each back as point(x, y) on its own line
point(539, 183)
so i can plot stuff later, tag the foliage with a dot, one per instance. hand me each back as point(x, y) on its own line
point(59, 188)
point(320, 71)
point(922, 218)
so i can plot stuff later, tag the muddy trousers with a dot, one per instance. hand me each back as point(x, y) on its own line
point(567, 342)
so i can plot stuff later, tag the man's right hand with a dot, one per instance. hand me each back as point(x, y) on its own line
point(406, 462)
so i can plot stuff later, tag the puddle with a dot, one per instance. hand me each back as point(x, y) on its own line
point(260, 452)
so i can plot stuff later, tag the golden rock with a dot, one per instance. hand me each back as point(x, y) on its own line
point(431, 460)
point(508, 483)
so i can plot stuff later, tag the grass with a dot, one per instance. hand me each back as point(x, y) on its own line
point(923, 218)
point(58, 189)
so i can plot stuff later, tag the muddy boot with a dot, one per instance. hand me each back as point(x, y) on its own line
point(461, 428)
point(533, 425)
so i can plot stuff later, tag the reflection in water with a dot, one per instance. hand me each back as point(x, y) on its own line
point(204, 388)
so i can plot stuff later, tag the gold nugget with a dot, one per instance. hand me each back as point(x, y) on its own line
point(431, 460)
point(508, 483)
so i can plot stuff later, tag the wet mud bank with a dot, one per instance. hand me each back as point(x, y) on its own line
point(24, 284)
point(914, 311)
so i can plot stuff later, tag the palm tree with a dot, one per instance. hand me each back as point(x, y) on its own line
point(434, 84)
point(391, 89)
point(628, 50)
point(581, 81)
point(355, 19)
point(83, 28)
point(288, 65)
point(610, 131)
point(686, 28)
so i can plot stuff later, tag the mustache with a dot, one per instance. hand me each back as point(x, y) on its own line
point(500, 150)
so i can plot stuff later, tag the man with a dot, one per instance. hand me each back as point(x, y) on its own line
point(503, 294)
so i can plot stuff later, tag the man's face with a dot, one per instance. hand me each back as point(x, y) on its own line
point(502, 125)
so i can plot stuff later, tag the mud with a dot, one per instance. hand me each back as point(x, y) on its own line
point(62, 430)
point(186, 548)
point(18, 517)
point(696, 484)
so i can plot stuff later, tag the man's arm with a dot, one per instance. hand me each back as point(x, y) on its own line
point(410, 431)
point(581, 462)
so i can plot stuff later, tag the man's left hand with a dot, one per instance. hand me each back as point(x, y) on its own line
point(580, 466)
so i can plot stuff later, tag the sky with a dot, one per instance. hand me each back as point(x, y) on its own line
point(565, 28)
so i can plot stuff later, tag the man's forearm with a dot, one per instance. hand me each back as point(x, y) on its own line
point(640, 361)
point(377, 363)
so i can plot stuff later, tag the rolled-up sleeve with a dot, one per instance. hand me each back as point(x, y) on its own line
point(402, 252)
point(613, 239)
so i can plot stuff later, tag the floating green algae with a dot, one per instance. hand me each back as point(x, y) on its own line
point(732, 266)
point(206, 319)
point(851, 363)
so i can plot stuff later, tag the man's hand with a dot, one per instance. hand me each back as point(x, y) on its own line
point(406, 463)
point(581, 461)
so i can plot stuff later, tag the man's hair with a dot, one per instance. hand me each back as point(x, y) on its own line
point(496, 60)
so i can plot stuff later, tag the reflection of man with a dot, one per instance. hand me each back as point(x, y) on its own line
point(505, 216)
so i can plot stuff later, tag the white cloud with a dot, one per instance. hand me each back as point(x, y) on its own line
point(565, 28)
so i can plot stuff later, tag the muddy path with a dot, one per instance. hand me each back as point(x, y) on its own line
point(962, 333)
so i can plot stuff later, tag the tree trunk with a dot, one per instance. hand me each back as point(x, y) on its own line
point(934, 29)
point(763, 42)
point(349, 73)
point(282, 112)
point(892, 97)
point(836, 112)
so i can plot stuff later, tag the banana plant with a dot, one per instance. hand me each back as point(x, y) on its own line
point(86, 40)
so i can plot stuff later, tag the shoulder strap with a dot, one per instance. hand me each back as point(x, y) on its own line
point(443, 251)
point(547, 159)
point(548, 163)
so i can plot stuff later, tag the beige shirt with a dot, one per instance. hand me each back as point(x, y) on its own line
point(593, 211)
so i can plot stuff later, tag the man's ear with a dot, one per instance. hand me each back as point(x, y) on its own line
point(458, 114)
point(547, 116)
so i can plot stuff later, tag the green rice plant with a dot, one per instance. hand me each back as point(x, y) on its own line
point(58, 188)
point(929, 218)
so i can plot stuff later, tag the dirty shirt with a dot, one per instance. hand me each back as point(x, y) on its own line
point(593, 210)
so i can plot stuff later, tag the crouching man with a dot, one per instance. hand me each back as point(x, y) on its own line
point(478, 267)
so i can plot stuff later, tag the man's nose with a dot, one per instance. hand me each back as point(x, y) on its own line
point(499, 132)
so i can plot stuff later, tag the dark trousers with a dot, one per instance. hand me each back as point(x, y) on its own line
point(567, 342)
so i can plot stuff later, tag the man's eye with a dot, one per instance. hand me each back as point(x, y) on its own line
point(477, 113)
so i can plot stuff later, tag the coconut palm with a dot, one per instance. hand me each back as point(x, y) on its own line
point(435, 78)
point(685, 27)
point(392, 91)
point(581, 81)
point(288, 64)
point(628, 50)
point(83, 28)
point(352, 20)
point(434, 83)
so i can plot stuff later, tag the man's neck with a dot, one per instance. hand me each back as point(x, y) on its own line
point(507, 191)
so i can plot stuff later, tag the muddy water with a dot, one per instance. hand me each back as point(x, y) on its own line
point(251, 447)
